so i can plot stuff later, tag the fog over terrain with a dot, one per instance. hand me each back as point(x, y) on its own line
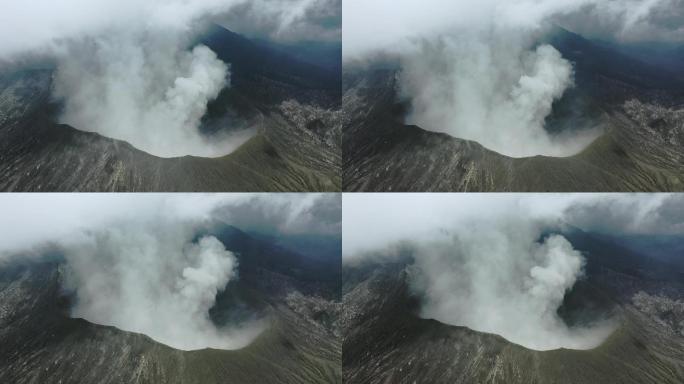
point(318, 20)
point(127, 69)
point(139, 263)
point(499, 263)
point(476, 69)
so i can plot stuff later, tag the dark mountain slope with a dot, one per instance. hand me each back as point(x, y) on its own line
point(308, 272)
point(595, 60)
point(252, 61)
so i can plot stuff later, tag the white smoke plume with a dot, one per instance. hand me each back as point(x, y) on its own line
point(496, 263)
point(126, 69)
point(136, 262)
point(473, 69)
point(503, 281)
point(470, 94)
point(160, 284)
point(155, 102)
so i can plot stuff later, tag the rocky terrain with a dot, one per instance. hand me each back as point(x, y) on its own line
point(386, 341)
point(294, 105)
point(40, 343)
point(639, 105)
point(662, 309)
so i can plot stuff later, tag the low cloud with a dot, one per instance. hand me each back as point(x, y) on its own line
point(633, 214)
point(288, 20)
point(308, 214)
point(630, 21)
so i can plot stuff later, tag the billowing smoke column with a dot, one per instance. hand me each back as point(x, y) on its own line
point(127, 69)
point(476, 70)
point(496, 93)
point(144, 270)
point(499, 280)
point(153, 100)
point(157, 283)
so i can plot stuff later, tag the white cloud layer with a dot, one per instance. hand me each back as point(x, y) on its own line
point(392, 25)
point(288, 20)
